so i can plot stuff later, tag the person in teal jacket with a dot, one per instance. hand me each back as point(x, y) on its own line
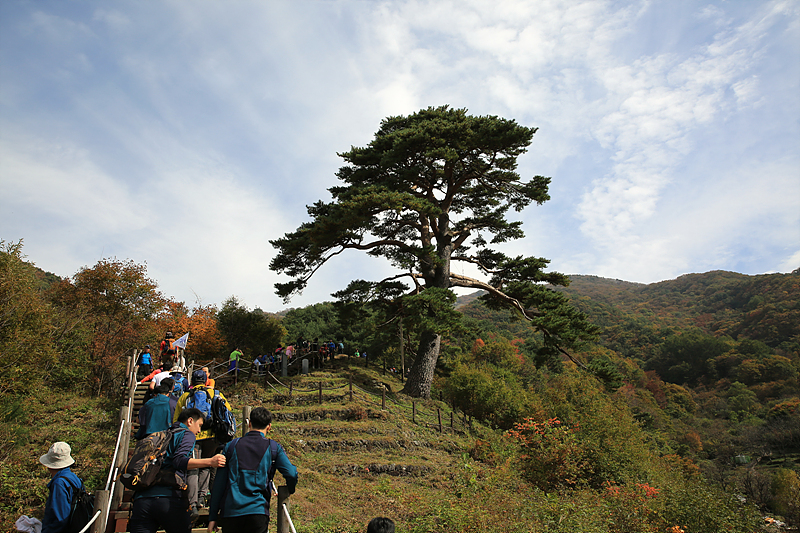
point(156, 415)
point(242, 489)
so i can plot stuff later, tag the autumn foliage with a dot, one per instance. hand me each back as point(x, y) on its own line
point(205, 340)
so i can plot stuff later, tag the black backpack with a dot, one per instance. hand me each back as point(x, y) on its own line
point(81, 509)
point(223, 422)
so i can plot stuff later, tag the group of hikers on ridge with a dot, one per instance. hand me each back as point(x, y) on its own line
point(203, 465)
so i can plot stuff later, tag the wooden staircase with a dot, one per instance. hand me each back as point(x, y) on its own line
point(118, 521)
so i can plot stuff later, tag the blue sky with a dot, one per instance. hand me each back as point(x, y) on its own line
point(186, 134)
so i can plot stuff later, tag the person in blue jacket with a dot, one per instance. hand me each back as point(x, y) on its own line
point(166, 506)
point(58, 459)
point(145, 362)
point(241, 493)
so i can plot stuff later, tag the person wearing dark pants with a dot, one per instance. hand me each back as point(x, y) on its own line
point(241, 493)
point(167, 506)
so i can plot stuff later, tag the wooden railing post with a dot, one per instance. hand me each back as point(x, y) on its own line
point(245, 416)
point(283, 520)
point(101, 498)
point(351, 387)
point(413, 412)
point(439, 415)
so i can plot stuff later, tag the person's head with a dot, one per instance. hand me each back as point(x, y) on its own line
point(168, 335)
point(193, 419)
point(147, 348)
point(167, 384)
point(57, 457)
point(260, 418)
point(199, 377)
point(380, 525)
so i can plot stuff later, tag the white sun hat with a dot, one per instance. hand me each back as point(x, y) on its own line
point(58, 456)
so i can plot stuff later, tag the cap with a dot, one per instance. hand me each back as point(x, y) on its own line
point(58, 456)
point(198, 376)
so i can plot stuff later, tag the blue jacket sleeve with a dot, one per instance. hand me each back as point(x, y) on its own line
point(183, 452)
point(287, 469)
point(57, 508)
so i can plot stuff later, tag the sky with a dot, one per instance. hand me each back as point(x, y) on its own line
point(186, 134)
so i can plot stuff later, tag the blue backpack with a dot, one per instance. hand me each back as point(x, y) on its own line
point(178, 389)
point(201, 399)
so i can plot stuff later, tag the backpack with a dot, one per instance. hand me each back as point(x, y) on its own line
point(81, 509)
point(223, 422)
point(273, 467)
point(143, 469)
point(177, 389)
point(202, 402)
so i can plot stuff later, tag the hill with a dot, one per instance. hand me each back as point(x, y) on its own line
point(633, 316)
point(427, 469)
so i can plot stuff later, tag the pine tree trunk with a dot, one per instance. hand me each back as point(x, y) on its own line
point(420, 377)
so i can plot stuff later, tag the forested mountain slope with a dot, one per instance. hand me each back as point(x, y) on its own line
point(764, 308)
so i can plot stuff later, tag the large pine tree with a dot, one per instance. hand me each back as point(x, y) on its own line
point(432, 188)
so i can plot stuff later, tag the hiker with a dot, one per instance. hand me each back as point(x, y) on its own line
point(209, 382)
point(155, 378)
point(260, 363)
point(181, 384)
point(380, 524)
point(151, 375)
point(164, 506)
point(145, 362)
point(233, 365)
point(170, 359)
point(157, 413)
point(198, 480)
point(62, 480)
point(242, 489)
point(166, 345)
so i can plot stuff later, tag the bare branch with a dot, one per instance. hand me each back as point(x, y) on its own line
point(463, 281)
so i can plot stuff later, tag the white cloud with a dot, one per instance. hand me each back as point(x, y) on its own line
point(238, 110)
point(791, 264)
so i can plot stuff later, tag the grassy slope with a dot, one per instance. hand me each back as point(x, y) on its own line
point(355, 460)
point(27, 430)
